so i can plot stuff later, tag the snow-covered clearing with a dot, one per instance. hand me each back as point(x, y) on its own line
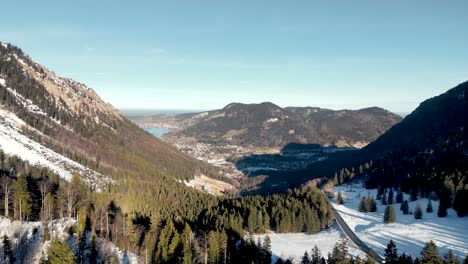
point(409, 234)
point(293, 245)
point(13, 142)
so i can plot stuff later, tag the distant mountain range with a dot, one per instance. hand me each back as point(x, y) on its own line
point(267, 125)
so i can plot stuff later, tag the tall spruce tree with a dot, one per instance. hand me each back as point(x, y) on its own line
point(450, 258)
point(418, 213)
point(391, 253)
point(7, 250)
point(339, 198)
point(430, 254)
point(59, 252)
point(22, 198)
point(389, 214)
point(429, 208)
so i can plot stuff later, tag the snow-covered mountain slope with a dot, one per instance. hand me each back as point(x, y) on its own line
point(14, 142)
point(409, 234)
point(76, 123)
point(29, 247)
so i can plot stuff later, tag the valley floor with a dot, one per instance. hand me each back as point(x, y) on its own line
point(409, 234)
point(293, 245)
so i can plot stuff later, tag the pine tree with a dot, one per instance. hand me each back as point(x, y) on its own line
point(93, 251)
point(266, 250)
point(373, 204)
point(384, 199)
point(315, 255)
point(305, 258)
point(418, 214)
point(187, 241)
point(450, 258)
point(390, 196)
point(390, 214)
point(339, 253)
point(22, 198)
point(391, 254)
point(362, 205)
point(7, 250)
point(339, 198)
point(430, 254)
point(429, 207)
point(405, 207)
point(405, 259)
point(459, 204)
point(59, 252)
point(442, 211)
point(399, 197)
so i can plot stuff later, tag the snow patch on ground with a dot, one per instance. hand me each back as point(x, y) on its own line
point(28, 247)
point(26, 237)
point(13, 142)
point(293, 245)
point(409, 234)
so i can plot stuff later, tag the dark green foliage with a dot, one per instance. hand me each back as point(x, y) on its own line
point(93, 251)
point(390, 196)
point(59, 253)
point(367, 204)
point(362, 205)
point(418, 213)
point(339, 198)
point(404, 207)
point(442, 211)
point(305, 258)
point(265, 256)
point(315, 256)
point(339, 253)
point(430, 253)
point(460, 203)
point(405, 259)
point(7, 250)
point(399, 197)
point(429, 208)
point(450, 258)
point(384, 199)
point(391, 253)
point(390, 214)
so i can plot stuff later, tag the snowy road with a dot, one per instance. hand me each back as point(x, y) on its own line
point(352, 236)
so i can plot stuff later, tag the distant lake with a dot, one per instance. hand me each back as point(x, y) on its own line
point(158, 131)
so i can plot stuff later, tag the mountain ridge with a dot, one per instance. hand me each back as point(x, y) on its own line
point(269, 125)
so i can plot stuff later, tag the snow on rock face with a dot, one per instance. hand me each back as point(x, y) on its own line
point(13, 142)
point(293, 245)
point(409, 234)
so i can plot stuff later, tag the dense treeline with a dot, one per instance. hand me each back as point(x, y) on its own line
point(340, 255)
point(440, 172)
point(168, 224)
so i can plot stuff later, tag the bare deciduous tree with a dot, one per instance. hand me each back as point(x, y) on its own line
point(44, 188)
point(7, 188)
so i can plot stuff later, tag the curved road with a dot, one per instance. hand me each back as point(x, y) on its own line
point(352, 236)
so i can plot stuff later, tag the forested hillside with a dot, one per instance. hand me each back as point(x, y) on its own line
point(142, 206)
point(270, 126)
point(425, 155)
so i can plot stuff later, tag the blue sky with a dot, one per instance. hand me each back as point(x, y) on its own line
point(206, 54)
